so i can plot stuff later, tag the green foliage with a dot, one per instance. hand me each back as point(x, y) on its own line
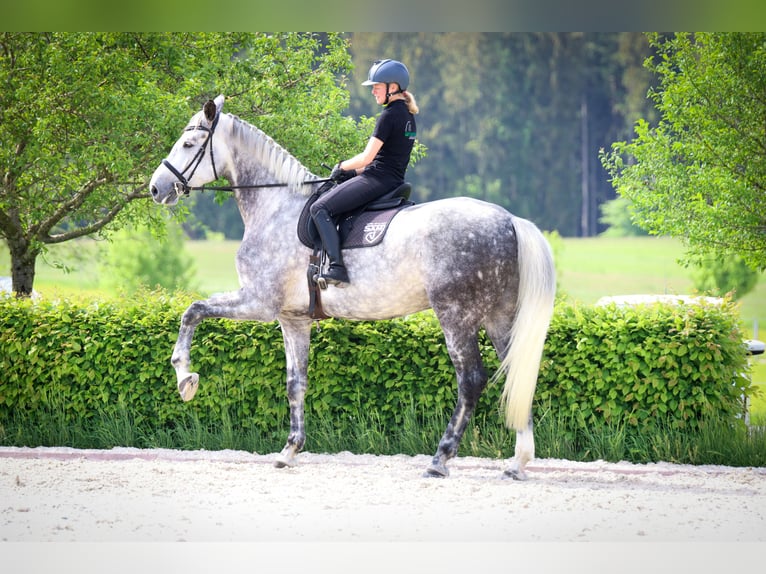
point(292, 87)
point(675, 365)
point(84, 362)
point(725, 274)
point(138, 259)
point(83, 113)
point(699, 173)
point(616, 214)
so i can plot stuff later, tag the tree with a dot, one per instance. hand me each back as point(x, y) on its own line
point(725, 274)
point(616, 215)
point(136, 259)
point(81, 118)
point(86, 117)
point(700, 173)
point(516, 118)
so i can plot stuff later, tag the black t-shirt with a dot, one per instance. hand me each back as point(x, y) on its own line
point(395, 127)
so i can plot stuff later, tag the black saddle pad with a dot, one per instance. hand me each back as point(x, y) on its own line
point(307, 232)
point(366, 229)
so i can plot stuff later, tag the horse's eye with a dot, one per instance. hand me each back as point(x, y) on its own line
point(188, 144)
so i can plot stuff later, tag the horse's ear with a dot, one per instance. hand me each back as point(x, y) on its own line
point(210, 110)
point(213, 107)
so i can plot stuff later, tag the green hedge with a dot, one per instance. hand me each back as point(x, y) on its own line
point(660, 362)
point(601, 364)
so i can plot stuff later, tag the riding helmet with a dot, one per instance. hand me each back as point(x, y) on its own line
point(387, 72)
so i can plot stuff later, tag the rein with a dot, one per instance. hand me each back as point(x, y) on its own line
point(182, 186)
point(187, 189)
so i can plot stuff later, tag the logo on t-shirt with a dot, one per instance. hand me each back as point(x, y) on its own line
point(408, 131)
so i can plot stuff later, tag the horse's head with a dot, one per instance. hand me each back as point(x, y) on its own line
point(192, 160)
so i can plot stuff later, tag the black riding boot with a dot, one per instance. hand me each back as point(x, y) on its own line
point(328, 232)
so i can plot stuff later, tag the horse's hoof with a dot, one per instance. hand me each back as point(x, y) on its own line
point(436, 471)
point(188, 386)
point(515, 474)
point(283, 462)
point(286, 457)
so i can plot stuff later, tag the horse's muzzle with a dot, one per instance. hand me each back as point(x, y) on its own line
point(172, 196)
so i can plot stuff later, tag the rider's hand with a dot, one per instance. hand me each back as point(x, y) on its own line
point(339, 175)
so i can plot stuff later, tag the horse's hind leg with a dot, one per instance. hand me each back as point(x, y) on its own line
point(471, 380)
point(525, 451)
point(525, 440)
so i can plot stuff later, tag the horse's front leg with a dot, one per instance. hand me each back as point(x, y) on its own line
point(297, 335)
point(236, 305)
point(187, 381)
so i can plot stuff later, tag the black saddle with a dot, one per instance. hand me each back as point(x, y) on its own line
point(397, 198)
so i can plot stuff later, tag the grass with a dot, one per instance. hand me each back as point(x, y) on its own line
point(595, 267)
point(716, 442)
point(588, 269)
point(72, 269)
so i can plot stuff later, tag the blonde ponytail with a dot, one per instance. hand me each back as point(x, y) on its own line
point(412, 105)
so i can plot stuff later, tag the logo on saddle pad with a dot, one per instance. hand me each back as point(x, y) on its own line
point(366, 229)
point(373, 231)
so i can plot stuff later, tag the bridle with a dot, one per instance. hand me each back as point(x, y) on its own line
point(182, 187)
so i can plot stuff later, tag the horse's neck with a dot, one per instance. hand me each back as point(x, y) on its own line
point(265, 208)
point(259, 161)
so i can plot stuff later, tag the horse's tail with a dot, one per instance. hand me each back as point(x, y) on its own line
point(534, 309)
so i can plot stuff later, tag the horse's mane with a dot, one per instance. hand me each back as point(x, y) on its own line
point(276, 159)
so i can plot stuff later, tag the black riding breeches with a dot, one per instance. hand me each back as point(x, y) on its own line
point(352, 194)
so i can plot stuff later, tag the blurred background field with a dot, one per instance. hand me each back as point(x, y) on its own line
point(588, 269)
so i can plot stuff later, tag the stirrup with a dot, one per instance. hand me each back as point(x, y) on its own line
point(320, 281)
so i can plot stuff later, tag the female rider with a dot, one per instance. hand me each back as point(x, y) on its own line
point(378, 169)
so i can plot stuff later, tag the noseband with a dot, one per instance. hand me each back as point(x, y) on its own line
point(182, 185)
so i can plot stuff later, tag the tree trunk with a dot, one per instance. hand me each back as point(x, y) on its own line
point(585, 221)
point(23, 259)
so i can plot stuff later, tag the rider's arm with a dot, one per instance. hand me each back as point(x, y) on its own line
point(362, 160)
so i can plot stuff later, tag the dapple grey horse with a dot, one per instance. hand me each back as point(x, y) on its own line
point(475, 264)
